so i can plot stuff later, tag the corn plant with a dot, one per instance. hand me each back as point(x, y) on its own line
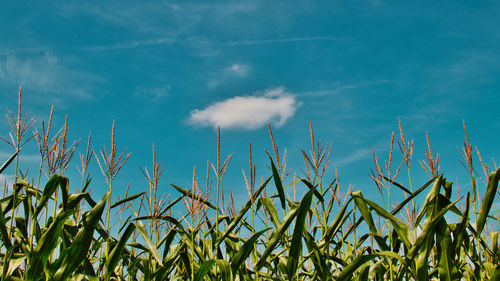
point(59, 230)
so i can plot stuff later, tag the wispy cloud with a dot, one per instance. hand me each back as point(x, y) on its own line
point(182, 20)
point(25, 50)
point(248, 111)
point(37, 72)
point(45, 73)
point(240, 70)
point(282, 40)
point(156, 17)
point(235, 70)
point(328, 92)
point(192, 41)
point(355, 156)
point(154, 93)
point(209, 44)
point(340, 88)
point(131, 44)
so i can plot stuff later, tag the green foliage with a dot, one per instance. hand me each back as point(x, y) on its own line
point(60, 233)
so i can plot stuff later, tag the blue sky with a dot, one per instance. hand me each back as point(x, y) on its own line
point(170, 72)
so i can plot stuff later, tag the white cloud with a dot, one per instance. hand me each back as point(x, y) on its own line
point(153, 93)
point(37, 73)
point(131, 44)
point(339, 88)
point(158, 17)
point(238, 69)
point(282, 40)
point(235, 70)
point(355, 156)
point(212, 83)
point(248, 112)
point(44, 73)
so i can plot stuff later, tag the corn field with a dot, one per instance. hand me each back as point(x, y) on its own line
point(56, 230)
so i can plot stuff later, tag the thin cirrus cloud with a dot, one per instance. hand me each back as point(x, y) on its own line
point(282, 40)
point(45, 73)
point(235, 70)
point(154, 93)
point(131, 44)
point(357, 155)
point(240, 70)
point(248, 112)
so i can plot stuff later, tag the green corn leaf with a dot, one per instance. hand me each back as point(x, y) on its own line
point(276, 236)
point(399, 227)
point(348, 232)
point(363, 272)
point(127, 199)
point(239, 258)
point(193, 196)
point(77, 253)
point(460, 231)
point(358, 262)
point(318, 257)
point(137, 245)
point(413, 195)
point(348, 271)
point(3, 231)
point(236, 220)
point(271, 209)
point(447, 189)
point(49, 239)
point(427, 230)
point(296, 244)
point(496, 273)
point(331, 201)
point(433, 193)
point(488, 199)
point(89, 200)
point(335, 229)
point(444, 201)
point(170, 261)
point(64, 184)
point(6, 262)
point(313, 188)
point(391, 255)
point(151, 246)
point(116, 253)
point(186, 261)
point(167, 240)
point(15, 261)
point(8, 202)
point(494, 245)
point(397, 184)
point(203, 270)
point(279, 185)
point(46, 245)
point(169, 206)
point(7, 163)
point(445, 267)
point(211, 229)
point(225, 270)
point(339, 220)
point(74, 199)
point(367, 216)
point(21, 226)
point(49, 189)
